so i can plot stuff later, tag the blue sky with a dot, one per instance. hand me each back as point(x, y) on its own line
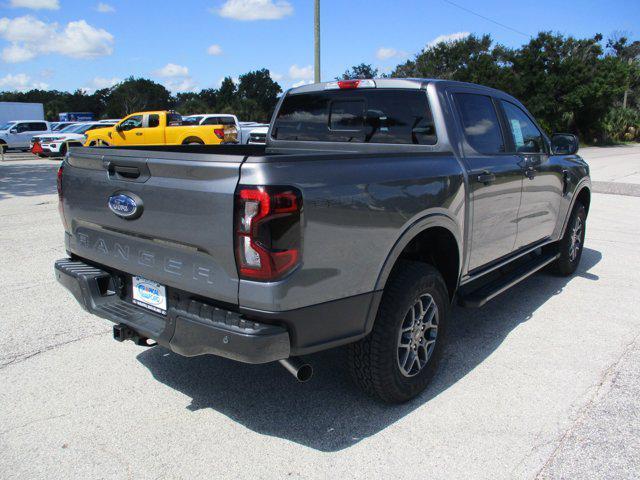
point(193, 44)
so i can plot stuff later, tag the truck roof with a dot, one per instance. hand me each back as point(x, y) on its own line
point(394, 83)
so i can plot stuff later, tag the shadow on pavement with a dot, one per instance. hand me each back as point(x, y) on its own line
point(27, 179)
point(328, 413)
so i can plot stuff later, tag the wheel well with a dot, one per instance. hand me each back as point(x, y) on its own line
point(192, 140)
point(438, 247)
point(584, 197)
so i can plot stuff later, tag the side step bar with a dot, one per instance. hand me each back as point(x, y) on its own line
point(482, 295)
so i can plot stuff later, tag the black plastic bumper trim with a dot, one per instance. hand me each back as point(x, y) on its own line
point(190, 327)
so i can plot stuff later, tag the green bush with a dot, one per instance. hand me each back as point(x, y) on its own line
point(622, 125)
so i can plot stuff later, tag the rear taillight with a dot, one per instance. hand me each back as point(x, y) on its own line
point(227, 134)
point(268, 231)
point(59, 180)
point(60, 194)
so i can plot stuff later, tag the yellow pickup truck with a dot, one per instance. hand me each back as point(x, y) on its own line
point(159, 128)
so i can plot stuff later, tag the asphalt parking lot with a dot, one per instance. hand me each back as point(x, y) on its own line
point(543, 382)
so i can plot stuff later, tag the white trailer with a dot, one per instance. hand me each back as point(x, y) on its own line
point(20, 111)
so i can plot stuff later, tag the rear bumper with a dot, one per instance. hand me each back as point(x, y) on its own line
point(190, 327)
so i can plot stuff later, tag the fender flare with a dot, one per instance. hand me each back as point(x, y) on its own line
point(585, 183)
point(185, 140)
point(94, 140)
point(431, 220)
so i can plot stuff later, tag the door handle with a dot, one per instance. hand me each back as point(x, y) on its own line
point(138, 133)
point(486, 177)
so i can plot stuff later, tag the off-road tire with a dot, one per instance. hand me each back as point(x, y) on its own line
point(373, 361)
point(565, 265)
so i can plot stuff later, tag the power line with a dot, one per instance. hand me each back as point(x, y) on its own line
point(486, 18)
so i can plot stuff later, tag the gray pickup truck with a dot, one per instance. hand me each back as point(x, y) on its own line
point(373, 205)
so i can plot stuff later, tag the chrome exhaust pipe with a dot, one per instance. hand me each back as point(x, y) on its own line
point(302, 371)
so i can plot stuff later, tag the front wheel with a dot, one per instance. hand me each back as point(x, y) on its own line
point(571, 245)
point(397, 360)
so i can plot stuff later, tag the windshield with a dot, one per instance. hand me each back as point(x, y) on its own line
point(7, 125)
point(79, 128)
point(68, 128)
point(363, 116)
point(84, 128)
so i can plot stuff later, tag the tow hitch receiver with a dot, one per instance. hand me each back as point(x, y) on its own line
point(123, 332)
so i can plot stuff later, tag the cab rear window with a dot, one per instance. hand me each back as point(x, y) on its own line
point(360, 115)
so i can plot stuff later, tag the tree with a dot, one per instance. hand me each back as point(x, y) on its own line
point(566, 83)
point(630, 54)
point(226, 93)
point(364, 70)
point(258, 94)
point(135, 95)
point(470, 59)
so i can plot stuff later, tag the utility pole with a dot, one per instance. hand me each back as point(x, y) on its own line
point(316, 32)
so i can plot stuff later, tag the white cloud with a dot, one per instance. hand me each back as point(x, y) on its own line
point(249, 10)
point(30, 37)
point(452, 37)
point(172, 70)
point(36, 4)
point(20, 82)
point(46, 73)
point(105, 8)
point(301, 82)
point(385, 53)
point(81, 40)
point(301, 73)
point(214, 50)
point(176, 77)
point(276, 77)
point(176, 85)
point(98, 83)
point(15, 53)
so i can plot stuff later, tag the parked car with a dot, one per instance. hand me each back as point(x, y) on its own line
point(57, 126)
point(159, 128)
point(55, 144)
point(374, 205)
point(243, 128)
point(258, 136)
point(17, 134)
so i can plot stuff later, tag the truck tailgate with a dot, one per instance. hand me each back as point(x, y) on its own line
point(184, 236)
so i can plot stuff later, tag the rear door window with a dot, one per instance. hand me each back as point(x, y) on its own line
point(174, 119)
point(390, 116)
point(480, 123)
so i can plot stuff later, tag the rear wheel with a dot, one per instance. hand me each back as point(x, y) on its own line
point(571, 245)
point(396, 361)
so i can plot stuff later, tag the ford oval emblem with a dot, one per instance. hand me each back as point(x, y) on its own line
point(124, 205)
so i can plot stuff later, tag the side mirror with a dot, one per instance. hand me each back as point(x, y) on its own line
point(564, 144)
point(13, 131)
point(119, 128)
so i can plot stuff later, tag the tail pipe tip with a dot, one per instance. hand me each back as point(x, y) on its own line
point(299, 369)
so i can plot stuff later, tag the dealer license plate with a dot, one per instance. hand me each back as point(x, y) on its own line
point(149, 294)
